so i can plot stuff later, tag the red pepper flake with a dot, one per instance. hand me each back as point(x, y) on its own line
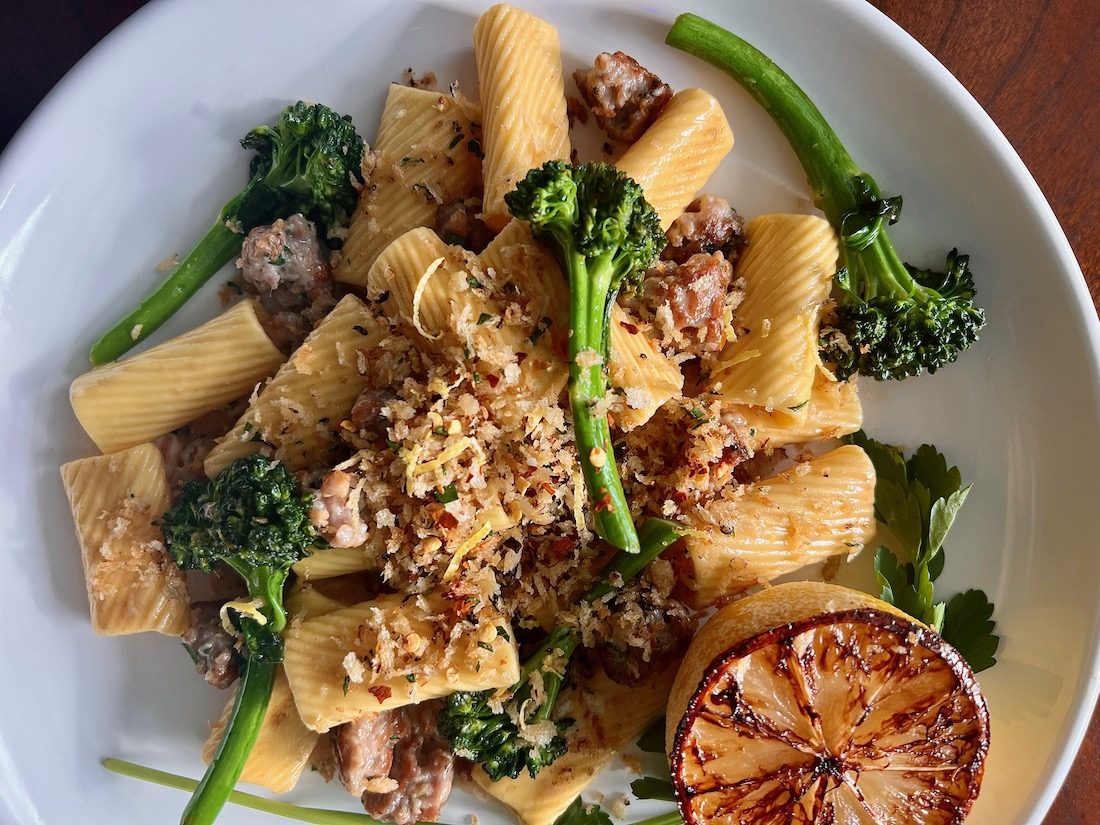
point(605, 503)
point(380, 692)
point(521, 357)
point(561, 548)
point(633, 330)
point(493, 380)
point(446, 520)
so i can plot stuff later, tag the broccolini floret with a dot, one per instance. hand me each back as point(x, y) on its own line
point(892, 320)
point(254, 518)
point(605, 235)
point(309, 162)
point(490, 730)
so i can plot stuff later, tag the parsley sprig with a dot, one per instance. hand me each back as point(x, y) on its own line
point(918, 499)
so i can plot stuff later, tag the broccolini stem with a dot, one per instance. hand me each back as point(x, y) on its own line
point(317, 816)
point(253, 695)
point(217, 247)
point(588, 355)
point(829, 167)
point(655, 536)
point(266, 584)
point(562, 642)
point(671, 818)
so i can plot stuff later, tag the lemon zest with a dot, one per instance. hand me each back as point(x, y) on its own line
point(410, 458)
point(453, 451)
point(418, 295)
point(473, 541)
point(245, 607)
point(578, 502)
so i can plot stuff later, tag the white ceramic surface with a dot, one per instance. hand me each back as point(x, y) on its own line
point(128, 159)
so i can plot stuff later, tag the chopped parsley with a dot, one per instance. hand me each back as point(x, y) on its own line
point(540, 328)
point(446, 495)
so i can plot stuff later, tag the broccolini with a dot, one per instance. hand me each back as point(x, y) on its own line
point(308, 163)
point(892, 320)
point(253, 518)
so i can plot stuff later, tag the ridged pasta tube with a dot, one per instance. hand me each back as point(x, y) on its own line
point(820, 508)
point(133, 585)
point(338, 663)
point(788, 267)
point(834, 410)
point(144, 396)
point(523, 101)
point(282, 748)
point(675, 157)
point(422, 158)
point(300, 409)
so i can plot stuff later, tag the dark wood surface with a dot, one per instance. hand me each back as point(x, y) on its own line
point(1033, 64)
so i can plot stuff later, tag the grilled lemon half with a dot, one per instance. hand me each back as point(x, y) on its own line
point(812, 703)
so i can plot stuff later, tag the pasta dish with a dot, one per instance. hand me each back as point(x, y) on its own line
point(496, 451)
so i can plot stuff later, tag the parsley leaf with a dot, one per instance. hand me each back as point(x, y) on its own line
point(918, 500)
point(968, 626)
point(578, 813)
point(446, 495)
point(653, 740)
point(653, 787)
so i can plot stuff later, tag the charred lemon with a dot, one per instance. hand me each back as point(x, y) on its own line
point(812, 703)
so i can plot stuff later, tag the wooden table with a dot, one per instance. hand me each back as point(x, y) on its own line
point(1033, 64)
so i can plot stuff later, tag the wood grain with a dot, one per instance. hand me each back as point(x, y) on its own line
point(1033, 64)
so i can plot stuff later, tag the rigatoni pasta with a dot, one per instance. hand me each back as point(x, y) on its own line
point(788, 268)
point(820, 508)
point(132, 584)
point(300, 409)
point(676, 156)
point(329, 562)
point(150, 394)
point(641, 375)
point(386, 653)
point(834, 410)
point(523, 101)
point(283, 747)
point(422, 159)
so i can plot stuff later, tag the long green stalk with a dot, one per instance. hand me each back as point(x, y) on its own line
point(587, 397)
point(218, 247)
point(299, 813)
point(253, 696)
point(831, 171)
point(317, 816)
